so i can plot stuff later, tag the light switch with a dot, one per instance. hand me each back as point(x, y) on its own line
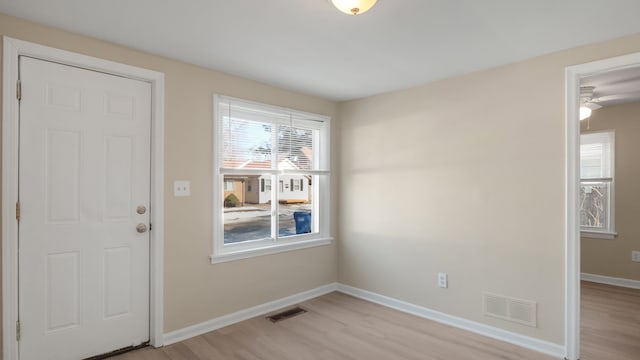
point(182, 188)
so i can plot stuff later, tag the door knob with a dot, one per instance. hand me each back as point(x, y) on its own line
point(141, 209)
point(141, 228)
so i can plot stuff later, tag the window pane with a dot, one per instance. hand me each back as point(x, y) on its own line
point(247, 209)
point(594, 205)
point(596, 155)
point(295, 206)
point(296, 147)
point(229, 185)
point(246, 143)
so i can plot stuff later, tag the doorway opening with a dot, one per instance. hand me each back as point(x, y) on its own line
point(590, 199)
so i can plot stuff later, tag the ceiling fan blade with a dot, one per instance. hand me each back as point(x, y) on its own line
point(616, 97)
point(592, 105)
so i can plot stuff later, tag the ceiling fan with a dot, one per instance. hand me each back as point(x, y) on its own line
point(587, 99)
point(587, 102)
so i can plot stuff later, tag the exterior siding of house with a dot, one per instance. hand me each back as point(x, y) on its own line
point(294, 188)
point(238, 189)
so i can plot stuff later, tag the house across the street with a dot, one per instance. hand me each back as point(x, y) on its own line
point(257, 189)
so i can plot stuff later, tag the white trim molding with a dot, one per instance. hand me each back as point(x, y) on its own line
point(598, 235)
point(541, 346)
point(573, 74)
point(268, 250)
point(238, 316)
point(13, 49)
point(609, 280)
point(545, 347)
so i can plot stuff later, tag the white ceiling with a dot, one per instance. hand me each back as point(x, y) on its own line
point(309, 46)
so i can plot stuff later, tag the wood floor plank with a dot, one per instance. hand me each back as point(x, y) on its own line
point(179, 351)
point(340, 327)
point(610, 322)
point(144, 354)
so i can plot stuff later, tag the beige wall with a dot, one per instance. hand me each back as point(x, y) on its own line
point(613, 257)
point(468, 177)
point(464, 176)
point(195, 290)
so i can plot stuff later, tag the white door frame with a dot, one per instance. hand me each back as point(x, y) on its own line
point(572, 161)
point(14, 48)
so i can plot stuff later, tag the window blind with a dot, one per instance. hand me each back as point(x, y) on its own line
point(596, 154)
point(259, 137)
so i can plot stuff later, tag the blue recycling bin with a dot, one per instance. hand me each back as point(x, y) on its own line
point(303, 222)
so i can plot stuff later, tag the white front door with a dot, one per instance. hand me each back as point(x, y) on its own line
point(84, 187)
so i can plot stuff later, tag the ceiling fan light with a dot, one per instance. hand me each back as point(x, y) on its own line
point(353, 7)
point(585, 112)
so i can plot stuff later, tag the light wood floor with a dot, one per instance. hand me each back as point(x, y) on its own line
point(610, 322)
point(339, 326)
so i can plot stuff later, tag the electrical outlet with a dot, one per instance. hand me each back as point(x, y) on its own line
point(635, 256)
point(182, 188)
point(443, 280)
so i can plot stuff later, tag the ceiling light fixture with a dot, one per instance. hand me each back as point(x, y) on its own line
point(353, 7)
point(585, 112)
point(587, 102)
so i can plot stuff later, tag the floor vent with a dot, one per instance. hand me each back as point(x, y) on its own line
point(511, 309)
point(286, 314)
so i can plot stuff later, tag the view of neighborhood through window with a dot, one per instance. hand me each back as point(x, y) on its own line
point(259, 148)
point(596, 181)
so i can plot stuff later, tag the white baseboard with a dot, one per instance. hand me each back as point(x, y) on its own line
point(226, 320)
point(633, 284)
point(542, 346)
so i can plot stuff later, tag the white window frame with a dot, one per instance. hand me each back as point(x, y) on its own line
point(267, 185)
point(321, 194)
point(609, 232)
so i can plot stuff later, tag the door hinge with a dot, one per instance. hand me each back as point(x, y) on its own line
point(150, 226)
point(18, 330)
point(18, 210)
point(19, 90)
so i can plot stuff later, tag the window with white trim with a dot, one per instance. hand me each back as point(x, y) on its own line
point(265, 185)
point(228, 185)
point(597, 173)
point(258, 143)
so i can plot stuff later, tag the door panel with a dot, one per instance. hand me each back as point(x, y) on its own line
point(62, 169)
point(62, 293)
point(119, 176)
point(84, 168)
point(117, 286)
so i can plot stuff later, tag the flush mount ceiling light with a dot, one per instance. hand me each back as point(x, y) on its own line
point(353, 7)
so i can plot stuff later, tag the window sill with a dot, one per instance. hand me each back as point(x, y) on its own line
point(598, 235)
point(268, 250)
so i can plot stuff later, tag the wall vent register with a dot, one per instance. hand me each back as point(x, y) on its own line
point(510, 309)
